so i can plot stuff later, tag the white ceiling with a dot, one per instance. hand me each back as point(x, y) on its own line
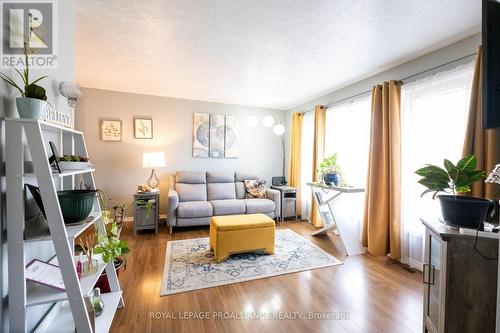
point(270, 53)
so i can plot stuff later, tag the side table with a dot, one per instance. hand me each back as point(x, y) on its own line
point(146, 215)
point(288, 201)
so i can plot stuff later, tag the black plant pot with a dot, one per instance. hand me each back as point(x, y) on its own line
point(468, 212)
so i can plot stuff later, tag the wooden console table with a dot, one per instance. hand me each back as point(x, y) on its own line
point(324, 196)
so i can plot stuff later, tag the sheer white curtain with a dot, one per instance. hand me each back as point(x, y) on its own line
point(306, 163)
point(348, 135)
point(434, 117)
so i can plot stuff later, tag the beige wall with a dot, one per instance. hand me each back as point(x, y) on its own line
point(119, 164)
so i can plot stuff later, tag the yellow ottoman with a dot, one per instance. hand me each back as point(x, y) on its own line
point(231, 234)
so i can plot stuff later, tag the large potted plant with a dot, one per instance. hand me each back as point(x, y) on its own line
point(32, 103)
point(329, 171)
point(457, 210)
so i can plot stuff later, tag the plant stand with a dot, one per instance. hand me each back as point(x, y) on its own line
point(324, 197)
point(69, 312)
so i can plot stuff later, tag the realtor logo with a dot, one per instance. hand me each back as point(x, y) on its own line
point(31, 24)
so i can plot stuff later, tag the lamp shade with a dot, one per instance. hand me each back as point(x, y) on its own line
point(153, 160)
point(279, 129)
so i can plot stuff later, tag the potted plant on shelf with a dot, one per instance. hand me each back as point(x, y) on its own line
point(74, 162)
point(33, 101)
point(457, 210)
point(111, 248)
point(329, 171)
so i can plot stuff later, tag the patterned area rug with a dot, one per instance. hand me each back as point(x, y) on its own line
point(190, 265)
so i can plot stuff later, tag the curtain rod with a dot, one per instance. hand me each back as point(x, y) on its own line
point(404, 81)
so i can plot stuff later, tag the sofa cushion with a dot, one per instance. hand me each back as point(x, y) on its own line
point(221, 191)
point(240, 190)
point(254, 206)
point(193, 209)
point(190, 177)
point(220, 177)
point(228, 207)
point(241, 176)
point(255, 189)
point(191, 192)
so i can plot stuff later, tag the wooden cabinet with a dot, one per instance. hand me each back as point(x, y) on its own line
point(459, 282)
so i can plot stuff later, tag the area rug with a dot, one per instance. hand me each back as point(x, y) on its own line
point(190, 265)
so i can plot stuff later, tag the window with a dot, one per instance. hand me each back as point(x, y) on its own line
point(434, 119)
point(347, 133)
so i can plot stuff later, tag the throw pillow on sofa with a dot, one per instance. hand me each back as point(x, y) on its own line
point(255, 189)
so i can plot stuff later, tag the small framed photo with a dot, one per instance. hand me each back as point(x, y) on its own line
point(111, 130)
point(143, 128)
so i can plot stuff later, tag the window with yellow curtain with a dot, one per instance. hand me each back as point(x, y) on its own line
point(347, 133)
point(434, 113)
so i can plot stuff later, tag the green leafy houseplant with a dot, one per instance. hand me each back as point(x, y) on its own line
point(329, 166)
point(29, 89)
point(109, 246)
point(453, 178)
point(457, 210)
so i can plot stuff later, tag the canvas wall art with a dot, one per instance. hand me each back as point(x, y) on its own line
point(201, 133)
point(216, 146)
point(143, 128)
point(111, 130)
point(215, 136)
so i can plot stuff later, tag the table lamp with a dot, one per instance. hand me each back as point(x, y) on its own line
point(153, 160)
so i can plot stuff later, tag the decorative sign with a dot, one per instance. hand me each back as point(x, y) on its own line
point(60, 118)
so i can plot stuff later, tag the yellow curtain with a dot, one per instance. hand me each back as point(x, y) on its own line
point(381, 225)
point(318, 154)
point(294, 172)
point(483, 143)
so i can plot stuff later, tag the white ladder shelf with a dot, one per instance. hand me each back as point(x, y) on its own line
point(69, 311)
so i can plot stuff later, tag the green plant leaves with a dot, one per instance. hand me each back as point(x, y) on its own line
point(430, 170)
point(31, 90)
point(468, 163)
point(109, 246)
point(456, 178)
point(34, 91)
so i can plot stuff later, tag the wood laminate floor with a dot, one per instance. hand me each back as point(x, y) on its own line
point(366, 294)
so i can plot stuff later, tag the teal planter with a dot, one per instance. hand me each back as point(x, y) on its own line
point(76, 205)
point(31, 108)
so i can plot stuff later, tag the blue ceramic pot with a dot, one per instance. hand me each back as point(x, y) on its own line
point(331, 179)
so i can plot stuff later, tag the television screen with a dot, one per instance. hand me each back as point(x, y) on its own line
point(491, 63)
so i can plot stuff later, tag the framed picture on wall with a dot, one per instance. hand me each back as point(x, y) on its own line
point(111, 130)
point(143, 128)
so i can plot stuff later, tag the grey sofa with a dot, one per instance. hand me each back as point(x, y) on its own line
point(194, 197)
